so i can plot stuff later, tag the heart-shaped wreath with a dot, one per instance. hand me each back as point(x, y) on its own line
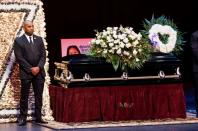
point(157, 32)
point(163, 34)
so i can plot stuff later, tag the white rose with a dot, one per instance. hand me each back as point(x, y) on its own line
point(126, 40)
point(124, 36)
point(116, 47)
point(121, 28)
point(134, 52)
point(98, 51)
point(97, 42)
point(104, 33)
point(120, 37)
point(135, 43)
point(103, 44)
point(108, 38)
point(111, 44)
point(139, 36)
point(139, 50)
point(97, 34)
point(132, 37)
point(128, 45)
point(109, 28)
point(105, 51)
point(122, 44)
point(99, 37)
point(108, 32)
point(133, 33)
point(128, 31)
point(115, 28)
point(118, 51)
point(115, 36)
point(93, 40)
point(116, 41)
point(126, 53)
point(136, 59)
point(111, 51)
point(130, 28)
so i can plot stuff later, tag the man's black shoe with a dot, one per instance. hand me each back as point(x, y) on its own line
point(41, 121)
point(22, 122)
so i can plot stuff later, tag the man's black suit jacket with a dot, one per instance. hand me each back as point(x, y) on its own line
point(194, 46)
point(30, 55)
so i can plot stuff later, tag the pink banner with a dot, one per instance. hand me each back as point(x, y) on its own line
point(75, 46)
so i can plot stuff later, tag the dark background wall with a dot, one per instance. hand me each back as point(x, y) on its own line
point(79, 19)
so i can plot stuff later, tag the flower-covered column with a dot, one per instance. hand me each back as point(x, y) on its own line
point(12, 15)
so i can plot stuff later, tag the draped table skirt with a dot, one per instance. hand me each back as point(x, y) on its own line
point(115, 103)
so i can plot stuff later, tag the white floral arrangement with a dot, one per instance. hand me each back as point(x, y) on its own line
point(121, 46)
point(154, 37)
point(163, 35)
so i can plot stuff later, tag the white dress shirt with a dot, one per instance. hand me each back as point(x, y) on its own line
point(28, 38)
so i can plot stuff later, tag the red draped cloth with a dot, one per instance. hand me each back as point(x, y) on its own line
point(132, 102)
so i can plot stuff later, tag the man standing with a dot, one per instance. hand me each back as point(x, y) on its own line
point(30, 54)
point(194, 47)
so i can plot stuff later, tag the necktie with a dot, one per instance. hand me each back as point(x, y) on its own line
point(31, 40)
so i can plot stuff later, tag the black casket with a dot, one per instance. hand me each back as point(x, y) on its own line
point(93, 71)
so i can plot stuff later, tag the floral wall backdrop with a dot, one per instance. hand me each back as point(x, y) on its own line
point(12, 15)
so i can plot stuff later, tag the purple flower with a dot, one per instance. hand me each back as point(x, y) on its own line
point(154, 40)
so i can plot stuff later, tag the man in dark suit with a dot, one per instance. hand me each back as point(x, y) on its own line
point(30, 54)
point(194, 47)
